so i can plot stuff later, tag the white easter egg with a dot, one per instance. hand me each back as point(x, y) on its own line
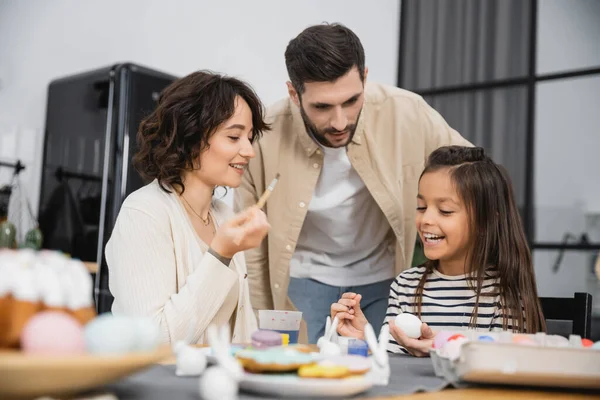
point(147, 334)
point(410, 325)
point(110, 334)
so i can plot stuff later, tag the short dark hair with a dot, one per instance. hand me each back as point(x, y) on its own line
point(189, 111)
point(323, 53)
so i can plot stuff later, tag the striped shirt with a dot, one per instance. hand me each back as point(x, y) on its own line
point(448, 302)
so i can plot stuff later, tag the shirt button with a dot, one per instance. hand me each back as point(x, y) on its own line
point(276, 286)
point(288, 247)
point(316, 165)
point(318, 151)
point(302, 204)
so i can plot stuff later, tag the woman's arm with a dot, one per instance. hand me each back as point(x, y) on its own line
point(143, 279)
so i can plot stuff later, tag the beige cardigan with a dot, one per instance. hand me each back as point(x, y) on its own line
point(159, 267)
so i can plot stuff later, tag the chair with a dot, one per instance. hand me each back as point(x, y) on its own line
point(577, 309)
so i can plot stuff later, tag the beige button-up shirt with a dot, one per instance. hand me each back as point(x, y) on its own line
point(395, 134)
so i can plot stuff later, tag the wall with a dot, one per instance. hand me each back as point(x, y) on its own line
point(567, 144)
point(42, 40)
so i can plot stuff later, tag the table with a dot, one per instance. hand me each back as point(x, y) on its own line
point(409, 374)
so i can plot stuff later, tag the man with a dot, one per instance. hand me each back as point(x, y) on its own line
point(349, 155)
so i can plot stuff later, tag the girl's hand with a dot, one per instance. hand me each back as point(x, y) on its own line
point(417, 347)
point(352, 321)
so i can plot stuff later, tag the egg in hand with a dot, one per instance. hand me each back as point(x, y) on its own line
point(410, 325)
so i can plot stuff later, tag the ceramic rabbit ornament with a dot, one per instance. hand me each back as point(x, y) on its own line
point(380, 370)
point(191, 361)
point(328, 344)
point(221, 382)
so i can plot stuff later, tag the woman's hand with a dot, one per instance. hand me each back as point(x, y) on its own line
point(244, 231)
point(417, 347)
point(352, 321)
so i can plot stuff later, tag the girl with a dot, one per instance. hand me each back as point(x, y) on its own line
point(479, 272)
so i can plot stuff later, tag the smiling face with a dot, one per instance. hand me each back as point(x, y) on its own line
point(331, 109)
point(230, 148)
point(442, 221)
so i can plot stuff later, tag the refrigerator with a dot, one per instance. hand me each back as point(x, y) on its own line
point(90, 138)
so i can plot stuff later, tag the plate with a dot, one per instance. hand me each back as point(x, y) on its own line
point(291, 385)
point(25, 375)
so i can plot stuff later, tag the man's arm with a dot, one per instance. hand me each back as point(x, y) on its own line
point(436, 131)
point(257, 260)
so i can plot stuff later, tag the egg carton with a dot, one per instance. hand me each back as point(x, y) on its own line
point(545, 361)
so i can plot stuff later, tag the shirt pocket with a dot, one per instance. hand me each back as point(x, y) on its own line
point(409, 188)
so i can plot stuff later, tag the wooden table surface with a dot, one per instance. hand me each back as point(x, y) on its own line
point(493, 394)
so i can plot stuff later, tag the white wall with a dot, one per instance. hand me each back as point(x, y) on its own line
point(42, 40)
point(567, 144)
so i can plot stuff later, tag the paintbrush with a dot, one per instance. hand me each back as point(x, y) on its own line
point(263, 199)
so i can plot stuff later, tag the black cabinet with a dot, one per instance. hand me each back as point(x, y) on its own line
point(90, 137)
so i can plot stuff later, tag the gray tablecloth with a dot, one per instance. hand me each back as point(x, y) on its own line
point(408, 375)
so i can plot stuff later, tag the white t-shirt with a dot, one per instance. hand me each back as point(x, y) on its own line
point(346, 239)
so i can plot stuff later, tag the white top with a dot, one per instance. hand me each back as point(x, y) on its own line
point(345, 239)
point(448, 302)
point(159, 268)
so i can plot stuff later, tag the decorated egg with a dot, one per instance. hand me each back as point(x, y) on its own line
point(147, 334)
point(456, 336)
point(410, 325)
point(452, 349)
point(524, 340)
point(111, 334)
point(441, 338)
point(52, 332)
point(587, 343)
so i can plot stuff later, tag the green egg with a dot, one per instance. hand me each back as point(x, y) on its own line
point(33, 239)
point(8, 235)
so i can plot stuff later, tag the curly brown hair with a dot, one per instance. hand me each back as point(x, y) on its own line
point(188, 113)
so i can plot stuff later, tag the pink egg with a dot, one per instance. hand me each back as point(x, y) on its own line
point(524, 340)
point(441, 339)
point(587, 343)
point(53, 332)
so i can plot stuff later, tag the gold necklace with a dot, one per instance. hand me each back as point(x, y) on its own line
point(206, 220)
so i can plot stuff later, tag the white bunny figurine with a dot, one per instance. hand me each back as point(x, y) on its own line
point(380, 369)
point(221, 382)
point(191, 361)
point(328, 344)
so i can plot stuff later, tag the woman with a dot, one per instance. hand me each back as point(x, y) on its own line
point(175, 254)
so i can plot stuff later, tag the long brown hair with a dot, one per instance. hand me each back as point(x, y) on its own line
point(498, 244)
